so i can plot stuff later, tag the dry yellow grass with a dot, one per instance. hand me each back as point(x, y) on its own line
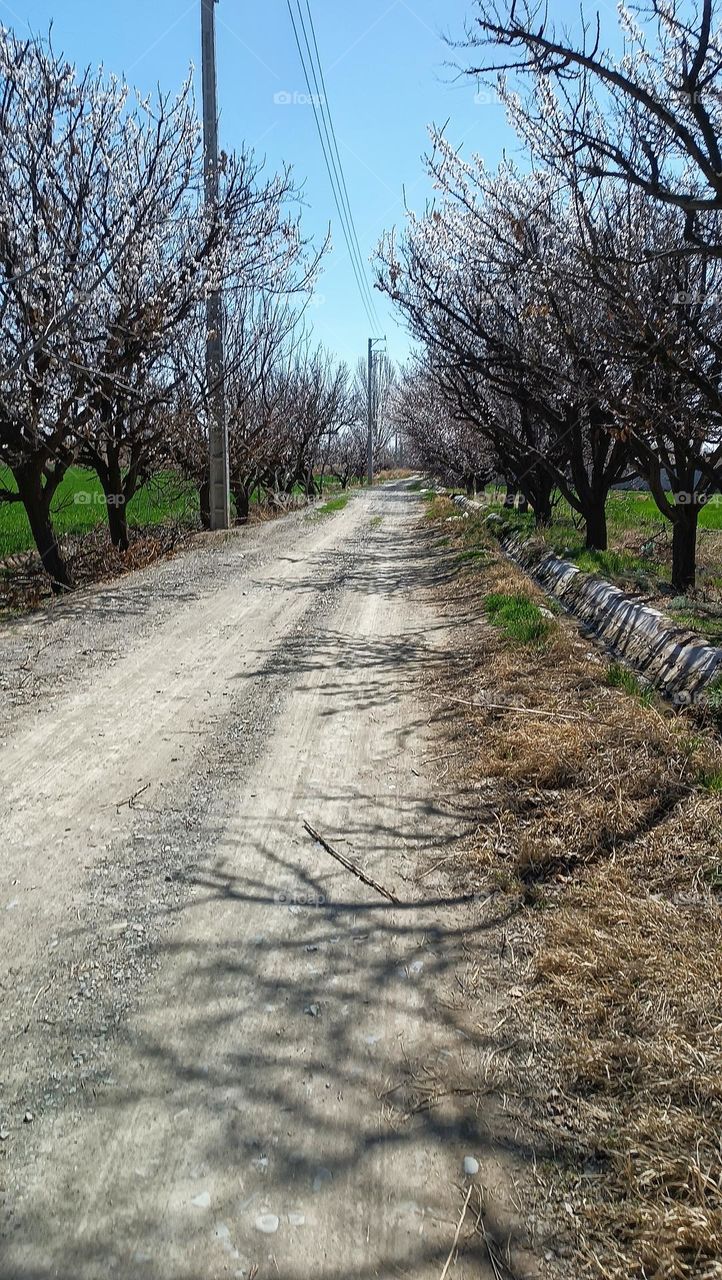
point(595, 814)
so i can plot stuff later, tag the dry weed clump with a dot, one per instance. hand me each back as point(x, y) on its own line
point(596, 807)
point(637, 982)
point(92, 558)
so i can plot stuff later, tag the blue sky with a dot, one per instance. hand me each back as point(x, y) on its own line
point(385, 78)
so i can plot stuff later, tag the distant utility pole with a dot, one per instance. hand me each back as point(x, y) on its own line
point(370, 397)
point(220, 501)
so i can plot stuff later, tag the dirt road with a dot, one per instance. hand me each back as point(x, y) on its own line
point(216, 1045)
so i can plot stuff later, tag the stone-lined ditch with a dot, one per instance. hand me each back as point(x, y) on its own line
point(673, 658)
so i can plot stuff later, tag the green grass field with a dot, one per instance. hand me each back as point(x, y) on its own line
point(639, 556)
point(626, 509)
point(79, 505)
point(632, 519)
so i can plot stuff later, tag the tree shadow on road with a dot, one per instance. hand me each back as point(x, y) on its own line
point(309, 1066)
point(323, 1036)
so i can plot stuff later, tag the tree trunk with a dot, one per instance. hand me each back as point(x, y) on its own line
point(242, 498)
point(684, 547)
point(541, 501)
point(595, 520)
point(36, 500)
point(112, 482)
point(118, 521)
point(537, 489)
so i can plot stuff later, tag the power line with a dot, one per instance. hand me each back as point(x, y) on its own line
point(332, 169)
point(325, 100)
point(324, 138)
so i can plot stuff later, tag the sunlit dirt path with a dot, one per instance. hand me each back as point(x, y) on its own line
point(222, 1039)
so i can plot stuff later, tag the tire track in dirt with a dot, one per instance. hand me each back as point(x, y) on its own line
point(263, 1103)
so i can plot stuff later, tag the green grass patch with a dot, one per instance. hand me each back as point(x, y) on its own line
point(714, 696)
point(711, 781)
point(376, 521)
point(609, 563)
point(474, 532)
point(79, 505)
point(709, 626)
point(713, 876)
point(625, 511)
point(614, 564)
point(334, 504)
point(518, 617)
point(620, 677)
point(474, 555)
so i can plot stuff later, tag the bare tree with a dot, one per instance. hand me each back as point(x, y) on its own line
point(438, 441)
point(663, 340)
point(650, 118)
point(269, 271)
point(492, 282)
point(61, 237)
point(318, 405)
point(253, 248)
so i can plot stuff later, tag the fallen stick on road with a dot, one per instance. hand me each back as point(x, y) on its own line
point(130, 800)
point(510, 706)
point(350, 866)
point(458, 1233)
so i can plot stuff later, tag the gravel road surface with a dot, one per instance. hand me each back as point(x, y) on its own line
point(216, 1044)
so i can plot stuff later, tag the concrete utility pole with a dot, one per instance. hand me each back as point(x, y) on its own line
point(370, 396)
point(220, 501)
